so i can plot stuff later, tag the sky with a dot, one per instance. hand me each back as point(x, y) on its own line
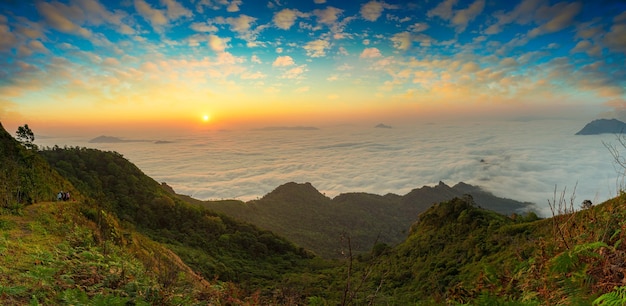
point(79, 64)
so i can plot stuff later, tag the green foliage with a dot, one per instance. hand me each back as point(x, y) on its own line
point(293, 209)
point(25, 177)
point(26, 137)
point(616, 297)
point(128, 241)
point(214, 245)
point(572, 258)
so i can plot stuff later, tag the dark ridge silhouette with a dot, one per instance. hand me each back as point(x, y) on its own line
point(603, 126)
point(287, 128)
point(112, 139)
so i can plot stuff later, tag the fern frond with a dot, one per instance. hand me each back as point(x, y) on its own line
point(617, 297)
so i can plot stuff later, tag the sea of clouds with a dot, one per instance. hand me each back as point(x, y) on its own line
point(522, 160)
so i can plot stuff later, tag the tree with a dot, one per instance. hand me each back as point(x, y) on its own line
point(26, 137)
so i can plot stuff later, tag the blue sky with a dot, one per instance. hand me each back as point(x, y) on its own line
point(236, 61)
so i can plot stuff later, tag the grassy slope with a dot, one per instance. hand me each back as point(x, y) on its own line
point(26, 177)
point(135, 215)
point(214, 245)
point(52, 254)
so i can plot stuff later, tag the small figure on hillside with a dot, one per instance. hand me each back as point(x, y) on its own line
point(60, 195)
point(67, 196)
point(586, 204)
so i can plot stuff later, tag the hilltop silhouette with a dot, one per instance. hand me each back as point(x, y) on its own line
point(603, 126)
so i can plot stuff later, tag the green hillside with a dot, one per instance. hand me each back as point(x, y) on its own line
point(26, 177)
point(214, 245)
point(460, 254)
point(124, 218)
point(127, 240)
point(316, 222)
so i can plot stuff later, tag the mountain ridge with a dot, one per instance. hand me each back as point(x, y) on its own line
point(301, 213)
point(129, 240)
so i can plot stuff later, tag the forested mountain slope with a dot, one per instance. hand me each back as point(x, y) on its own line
point(312, 220)
point(127, 240)
point(26, 177)
point(116, 209)
point(214, 245)
point(458, 253)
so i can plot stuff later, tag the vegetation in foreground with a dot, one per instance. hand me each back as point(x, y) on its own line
point(124, 240)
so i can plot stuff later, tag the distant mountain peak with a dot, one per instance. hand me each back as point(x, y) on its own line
point(295, 191)
point(382, 126)
point(603, 126)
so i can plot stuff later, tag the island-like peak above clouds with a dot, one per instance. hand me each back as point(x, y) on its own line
point(603, 126)
point(382, 126)
point(112, 139)
point(286, 128)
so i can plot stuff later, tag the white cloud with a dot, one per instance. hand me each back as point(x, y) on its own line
point(283, 61)
point(60, 17)
point(402, 41)
point(327, 16)
point(217, 43)
point(555, 18)
point(418, 27)
point(286, 18)
point(370, 53)
point(231, 5)
point(203, 27)
point(97, 14)
point(614, 39)
point(522, 14)
point(295, 73)
point(514, 170)
point(243, 26)
point(155, 17)
point(319, 1)
point(582, 46)
point(463, 17)
point(234, 6)
point(175, 10)
point(443, 10)
point(460, 18)
point(8, 40)
point(371, 10)
point(255, 59)
point(317, 48)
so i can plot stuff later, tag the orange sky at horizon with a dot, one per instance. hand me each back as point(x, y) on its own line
point(92, 66)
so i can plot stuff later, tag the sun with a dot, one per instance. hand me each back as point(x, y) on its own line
point(206, 118)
